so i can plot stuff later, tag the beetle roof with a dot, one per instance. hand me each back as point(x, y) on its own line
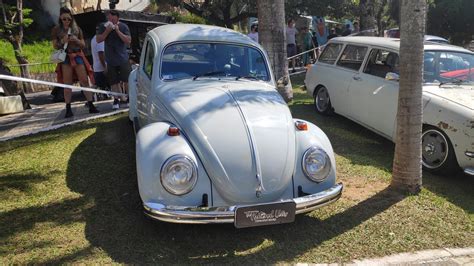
point(394, 43)
point(193, 32)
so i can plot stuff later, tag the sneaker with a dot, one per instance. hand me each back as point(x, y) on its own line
point(116, 104)
point(93, 109)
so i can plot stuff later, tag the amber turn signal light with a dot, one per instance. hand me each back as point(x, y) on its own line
point(173, 131)
point(300, 125)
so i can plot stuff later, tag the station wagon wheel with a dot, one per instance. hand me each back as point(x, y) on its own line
point(322, 102)
point(437, 151)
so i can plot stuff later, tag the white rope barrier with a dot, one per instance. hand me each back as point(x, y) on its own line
point(305, 52)
point(64, 86)
point(296, 73)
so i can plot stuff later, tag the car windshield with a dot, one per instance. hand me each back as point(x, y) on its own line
point(193, 60)
point(448, 67)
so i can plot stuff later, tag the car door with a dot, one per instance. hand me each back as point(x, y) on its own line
point(144, 81)
point(334, 78)
point(355, 95)
point(382, 94)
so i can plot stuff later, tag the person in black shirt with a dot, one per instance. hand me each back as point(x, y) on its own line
point(333, 34)
point(347, 31)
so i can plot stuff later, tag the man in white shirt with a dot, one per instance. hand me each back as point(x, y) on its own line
point(99, 65)
point(253, 33)
point(291, 32)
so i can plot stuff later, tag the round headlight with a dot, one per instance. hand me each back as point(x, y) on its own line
point(179, 175)
point(316, 164)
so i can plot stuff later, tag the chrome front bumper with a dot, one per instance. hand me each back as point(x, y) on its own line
point(210, 215)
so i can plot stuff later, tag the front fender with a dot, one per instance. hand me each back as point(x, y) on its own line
point(153, 148)
point(314, 136)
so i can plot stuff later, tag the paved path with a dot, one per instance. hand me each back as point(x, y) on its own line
point(446, 256)
point(46, 115)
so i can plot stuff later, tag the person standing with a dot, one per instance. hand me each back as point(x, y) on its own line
point(307, 45)
point(253, 33)
point(99, 65)
point(356, 27)
point(116, 36)
point(291, 32)
point(75, 66)
point(347, 31)
point(333, 34)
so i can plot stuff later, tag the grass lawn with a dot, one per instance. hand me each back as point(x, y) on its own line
point(36, 52)
point(71, 195)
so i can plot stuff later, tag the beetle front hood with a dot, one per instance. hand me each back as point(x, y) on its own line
point(243, 133)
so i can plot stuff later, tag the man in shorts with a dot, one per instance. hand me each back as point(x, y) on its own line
point(291, 32)
point(117, 38)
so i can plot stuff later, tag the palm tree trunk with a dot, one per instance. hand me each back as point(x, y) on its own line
point(272, 35)
point(407, 160)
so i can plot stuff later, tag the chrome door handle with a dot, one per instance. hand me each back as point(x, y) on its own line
point(356, 78)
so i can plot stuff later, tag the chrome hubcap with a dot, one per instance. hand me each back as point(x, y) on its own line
point(434, 149)
point(322, 100)
point(430, 149)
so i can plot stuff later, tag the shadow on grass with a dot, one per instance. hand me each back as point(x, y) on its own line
point(21, 182)
point(104, 173)
point(65, 212)
point(453, 188)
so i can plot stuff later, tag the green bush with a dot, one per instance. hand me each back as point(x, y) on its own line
point(188, 18)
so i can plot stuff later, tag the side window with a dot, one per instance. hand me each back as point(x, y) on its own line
point(330, 53)
point(148, 63)
point(381, 62)
point(352, 57)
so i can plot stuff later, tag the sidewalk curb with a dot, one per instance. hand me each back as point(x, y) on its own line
point(419, 257)
point(444, 256)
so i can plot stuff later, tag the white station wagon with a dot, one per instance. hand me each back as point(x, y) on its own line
point(357, 77)
point(216, 143)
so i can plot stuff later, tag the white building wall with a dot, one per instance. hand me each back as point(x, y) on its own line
point(79, 6)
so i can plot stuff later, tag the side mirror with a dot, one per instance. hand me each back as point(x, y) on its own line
point(392, 76)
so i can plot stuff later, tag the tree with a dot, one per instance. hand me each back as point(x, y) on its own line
point(332, 8)
point(14, 20)
point(367, 9)
point(452, 19)
point(271, 31)
point(407, 160)
point(223, 13)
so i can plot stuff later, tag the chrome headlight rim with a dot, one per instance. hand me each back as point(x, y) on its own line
point(328, 164)
point(194, 176)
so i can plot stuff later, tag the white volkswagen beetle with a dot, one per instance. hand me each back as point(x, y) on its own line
point(216, 143)
point(357, 77)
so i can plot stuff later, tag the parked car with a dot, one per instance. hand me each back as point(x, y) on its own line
point(395, 33)
point(357, 77)
point(432, 38)
point(215, 141)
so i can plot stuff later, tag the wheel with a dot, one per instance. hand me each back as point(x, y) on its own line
point(322, 102)
point(437, 151)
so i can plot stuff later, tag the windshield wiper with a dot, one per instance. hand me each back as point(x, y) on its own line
point(455, 81)
point(247, 77)
point(207, 74)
